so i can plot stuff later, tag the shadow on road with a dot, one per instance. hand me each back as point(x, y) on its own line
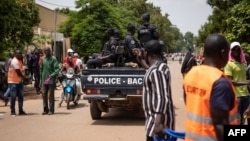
point(119, 116)
point(30, 92)
point(72, 106)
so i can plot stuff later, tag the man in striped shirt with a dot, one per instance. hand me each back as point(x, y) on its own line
point(157, 98)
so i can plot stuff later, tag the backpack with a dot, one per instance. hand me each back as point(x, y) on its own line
point(120, 47)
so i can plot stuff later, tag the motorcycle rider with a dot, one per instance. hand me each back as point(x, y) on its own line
point(70, 53)
point(66, 66)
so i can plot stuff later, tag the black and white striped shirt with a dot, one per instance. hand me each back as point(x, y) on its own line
point(157, 97)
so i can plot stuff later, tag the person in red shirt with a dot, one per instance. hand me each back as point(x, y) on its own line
point(70, 52)
point(41, 56)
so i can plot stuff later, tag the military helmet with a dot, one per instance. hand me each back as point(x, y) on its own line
point(146, 16)
point(130, 27)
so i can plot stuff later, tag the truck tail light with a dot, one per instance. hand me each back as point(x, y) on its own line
point(92, 91)
point(139, 92)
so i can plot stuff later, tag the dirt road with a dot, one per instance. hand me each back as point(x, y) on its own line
point(76, 124)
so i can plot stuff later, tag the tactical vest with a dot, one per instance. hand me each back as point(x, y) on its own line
point(146, 33)
point(199, 125)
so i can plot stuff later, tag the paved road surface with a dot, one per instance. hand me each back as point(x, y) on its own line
point(76, 124)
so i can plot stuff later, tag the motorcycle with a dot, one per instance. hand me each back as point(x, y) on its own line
point(69, 88)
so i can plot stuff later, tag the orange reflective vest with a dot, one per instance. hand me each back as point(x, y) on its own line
point(12, 74)
point(198, 87)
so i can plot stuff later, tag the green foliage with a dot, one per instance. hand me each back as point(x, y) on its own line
point(41, 40)
point(87, 27)
point(17, 19)
point(230, 18)
point(65, 11)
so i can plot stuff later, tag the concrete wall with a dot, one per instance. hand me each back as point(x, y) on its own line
point(49, 18)
point(50, 21)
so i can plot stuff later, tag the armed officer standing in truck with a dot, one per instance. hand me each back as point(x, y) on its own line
point(146, 30)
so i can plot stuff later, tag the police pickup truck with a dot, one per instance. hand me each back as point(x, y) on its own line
point(112, 87)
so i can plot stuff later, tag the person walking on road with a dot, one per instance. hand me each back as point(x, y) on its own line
point(34, 62)
point(15, 81)
point(49, 68)
point(157, 97)
point(210, 101)
point(236, 69)
point(188, 62)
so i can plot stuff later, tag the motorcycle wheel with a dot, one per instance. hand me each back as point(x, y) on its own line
point(68, 100)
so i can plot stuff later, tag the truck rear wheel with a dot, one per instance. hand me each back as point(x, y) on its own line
point(94, 110)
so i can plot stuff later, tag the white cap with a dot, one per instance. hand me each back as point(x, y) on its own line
point(75, 54)
point(70, 50)
point(234, 44)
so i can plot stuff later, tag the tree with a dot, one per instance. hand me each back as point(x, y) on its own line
point(238, 22)
point(188, 40)
point(16, 23)
point(230, 18)
point(41, 40)
point(87, 27)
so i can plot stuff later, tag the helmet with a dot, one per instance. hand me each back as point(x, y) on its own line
point(76, 54)
point(110, 32)
point(130, 27)
point(146, 16)
point(70, 50)
point(116, 33)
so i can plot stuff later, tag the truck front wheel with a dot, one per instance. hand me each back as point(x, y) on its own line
point(95, 111)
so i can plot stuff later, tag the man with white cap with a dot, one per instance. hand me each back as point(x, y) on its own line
point(236, 70)
point(78, 60)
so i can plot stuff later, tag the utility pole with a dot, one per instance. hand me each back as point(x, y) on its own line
point(55, 18)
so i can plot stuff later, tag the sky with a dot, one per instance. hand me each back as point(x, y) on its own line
point(187, 15)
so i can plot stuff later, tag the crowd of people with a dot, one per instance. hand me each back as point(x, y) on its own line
point(42, 65)
point(221, 96)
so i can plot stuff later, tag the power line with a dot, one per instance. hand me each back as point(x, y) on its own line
point(56, 4)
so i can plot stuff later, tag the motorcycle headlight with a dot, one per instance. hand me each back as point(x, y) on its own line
point(68, 89)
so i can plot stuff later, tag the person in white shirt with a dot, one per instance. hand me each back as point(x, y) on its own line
point(78, 60)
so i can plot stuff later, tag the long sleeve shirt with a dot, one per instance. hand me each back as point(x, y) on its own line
point(157, 97)
point(49, 66)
